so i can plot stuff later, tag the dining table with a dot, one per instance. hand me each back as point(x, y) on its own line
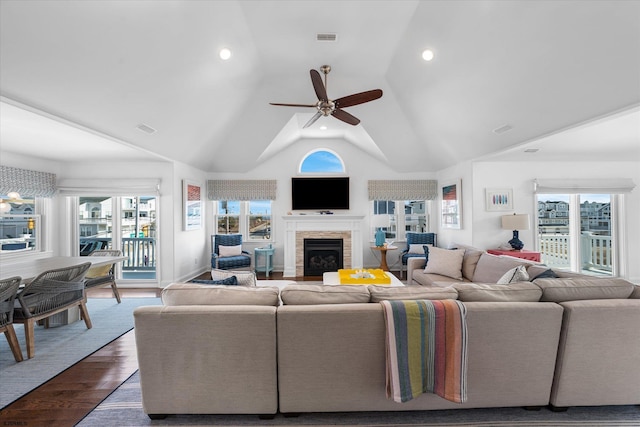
point(30, 269)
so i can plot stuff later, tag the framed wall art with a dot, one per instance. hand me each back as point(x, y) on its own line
point(192, 204)
point(451, 208)
point(499, 199)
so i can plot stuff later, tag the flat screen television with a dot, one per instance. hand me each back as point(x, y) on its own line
point(324, 193)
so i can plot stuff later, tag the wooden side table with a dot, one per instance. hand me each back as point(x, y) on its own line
point(523, 254)
point(267, 254)
point(383, 255)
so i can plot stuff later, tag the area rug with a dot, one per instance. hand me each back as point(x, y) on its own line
point(124, 408)
point(60, 347)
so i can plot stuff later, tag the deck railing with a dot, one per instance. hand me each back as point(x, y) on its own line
point(140, 253)
point(596, 251)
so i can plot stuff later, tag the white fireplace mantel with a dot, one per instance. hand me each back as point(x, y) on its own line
point(330, 223)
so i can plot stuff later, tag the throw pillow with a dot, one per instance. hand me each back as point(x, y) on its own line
point(516, 274)
point(547, 274)
point(229, 281)
point(225, 251)
point(417, 248)
point(445, 262)
point(244, 278)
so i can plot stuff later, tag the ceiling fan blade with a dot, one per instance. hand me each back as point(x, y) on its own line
point(312, 120)
point(345, 117)
point(358, 98)
point(292, 105)
point(318, 86)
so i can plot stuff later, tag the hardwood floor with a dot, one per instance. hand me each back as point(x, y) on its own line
point(71, 395)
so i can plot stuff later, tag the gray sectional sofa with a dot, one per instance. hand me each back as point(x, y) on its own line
point(299, 348)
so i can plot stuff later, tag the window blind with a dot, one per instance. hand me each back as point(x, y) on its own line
point(27, 182)
point(110, 187)
point(416, 189)
point(241, 189)
point(590, 186)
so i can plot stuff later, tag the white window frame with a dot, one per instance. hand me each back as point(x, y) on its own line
point(243, 226)
point(400, 220)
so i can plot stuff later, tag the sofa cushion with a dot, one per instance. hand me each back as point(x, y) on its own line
point(244, 278)
point(381, 293)
point(446, 262)
point(516, 274)
point(512, 292)
point(490, 267)
point(199, 294)
point(581, 288)
point(229, 281)
point(470, 261)
point(324, 294)
point(635, 294)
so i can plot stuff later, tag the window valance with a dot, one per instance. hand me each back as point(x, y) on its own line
point(241, 189)
point(110, 187)
point(27, 182)
point(591, 186)
point(415, 189)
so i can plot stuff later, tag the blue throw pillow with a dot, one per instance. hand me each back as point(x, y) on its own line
point(547, 274)
point(426, 253)
point(231, 281)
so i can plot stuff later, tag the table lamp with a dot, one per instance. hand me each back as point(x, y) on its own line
point(516, 222)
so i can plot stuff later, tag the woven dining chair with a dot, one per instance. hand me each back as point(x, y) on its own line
point(51, 292)
point(103, 274)
point(8, 292)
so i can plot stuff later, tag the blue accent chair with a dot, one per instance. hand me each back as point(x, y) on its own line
point(242, 261)
point(415, 239)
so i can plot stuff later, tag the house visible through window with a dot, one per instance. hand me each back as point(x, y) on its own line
point(413, 217)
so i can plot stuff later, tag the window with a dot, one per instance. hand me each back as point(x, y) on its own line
point(20, 225)
point(322, 161)
point(125, 223)
point(575, 232)
point(251, 218)
point(413, 217)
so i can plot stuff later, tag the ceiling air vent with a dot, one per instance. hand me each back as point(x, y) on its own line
point(502, 129)
point(326, 37)
point(146, 128)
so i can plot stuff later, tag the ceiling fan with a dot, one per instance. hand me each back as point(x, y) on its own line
point(328, 107)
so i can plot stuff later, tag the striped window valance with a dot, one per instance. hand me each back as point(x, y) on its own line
point(241, 189)
point(413, 189)
point(27, 182)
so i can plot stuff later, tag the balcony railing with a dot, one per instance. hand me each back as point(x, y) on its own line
point(140, 251)
point(596, 252)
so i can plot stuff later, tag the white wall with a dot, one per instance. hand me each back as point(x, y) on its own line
point(486, 227)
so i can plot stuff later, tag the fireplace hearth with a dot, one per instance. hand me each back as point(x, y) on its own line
point(321, 255)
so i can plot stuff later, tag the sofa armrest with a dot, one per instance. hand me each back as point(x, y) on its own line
point(414, 263)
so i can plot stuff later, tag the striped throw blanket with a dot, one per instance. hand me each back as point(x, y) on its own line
point(426, 349)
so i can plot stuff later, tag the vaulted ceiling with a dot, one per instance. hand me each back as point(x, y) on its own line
point(78, 78)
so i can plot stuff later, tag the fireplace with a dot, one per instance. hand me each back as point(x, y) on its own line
point(322, 255)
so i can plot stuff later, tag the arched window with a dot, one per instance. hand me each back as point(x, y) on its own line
point(321, 160)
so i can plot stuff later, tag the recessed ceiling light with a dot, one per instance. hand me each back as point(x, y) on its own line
point(427, 55)
point(323, 127)
point(225, 54)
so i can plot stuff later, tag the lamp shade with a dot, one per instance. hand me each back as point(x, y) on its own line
point(515, 222)
point(378, 221)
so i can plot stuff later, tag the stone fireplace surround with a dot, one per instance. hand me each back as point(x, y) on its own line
point(315, 226)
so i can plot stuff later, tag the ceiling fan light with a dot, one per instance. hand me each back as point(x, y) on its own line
point(13, 195)
point(427, 54)
point(225, 54)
